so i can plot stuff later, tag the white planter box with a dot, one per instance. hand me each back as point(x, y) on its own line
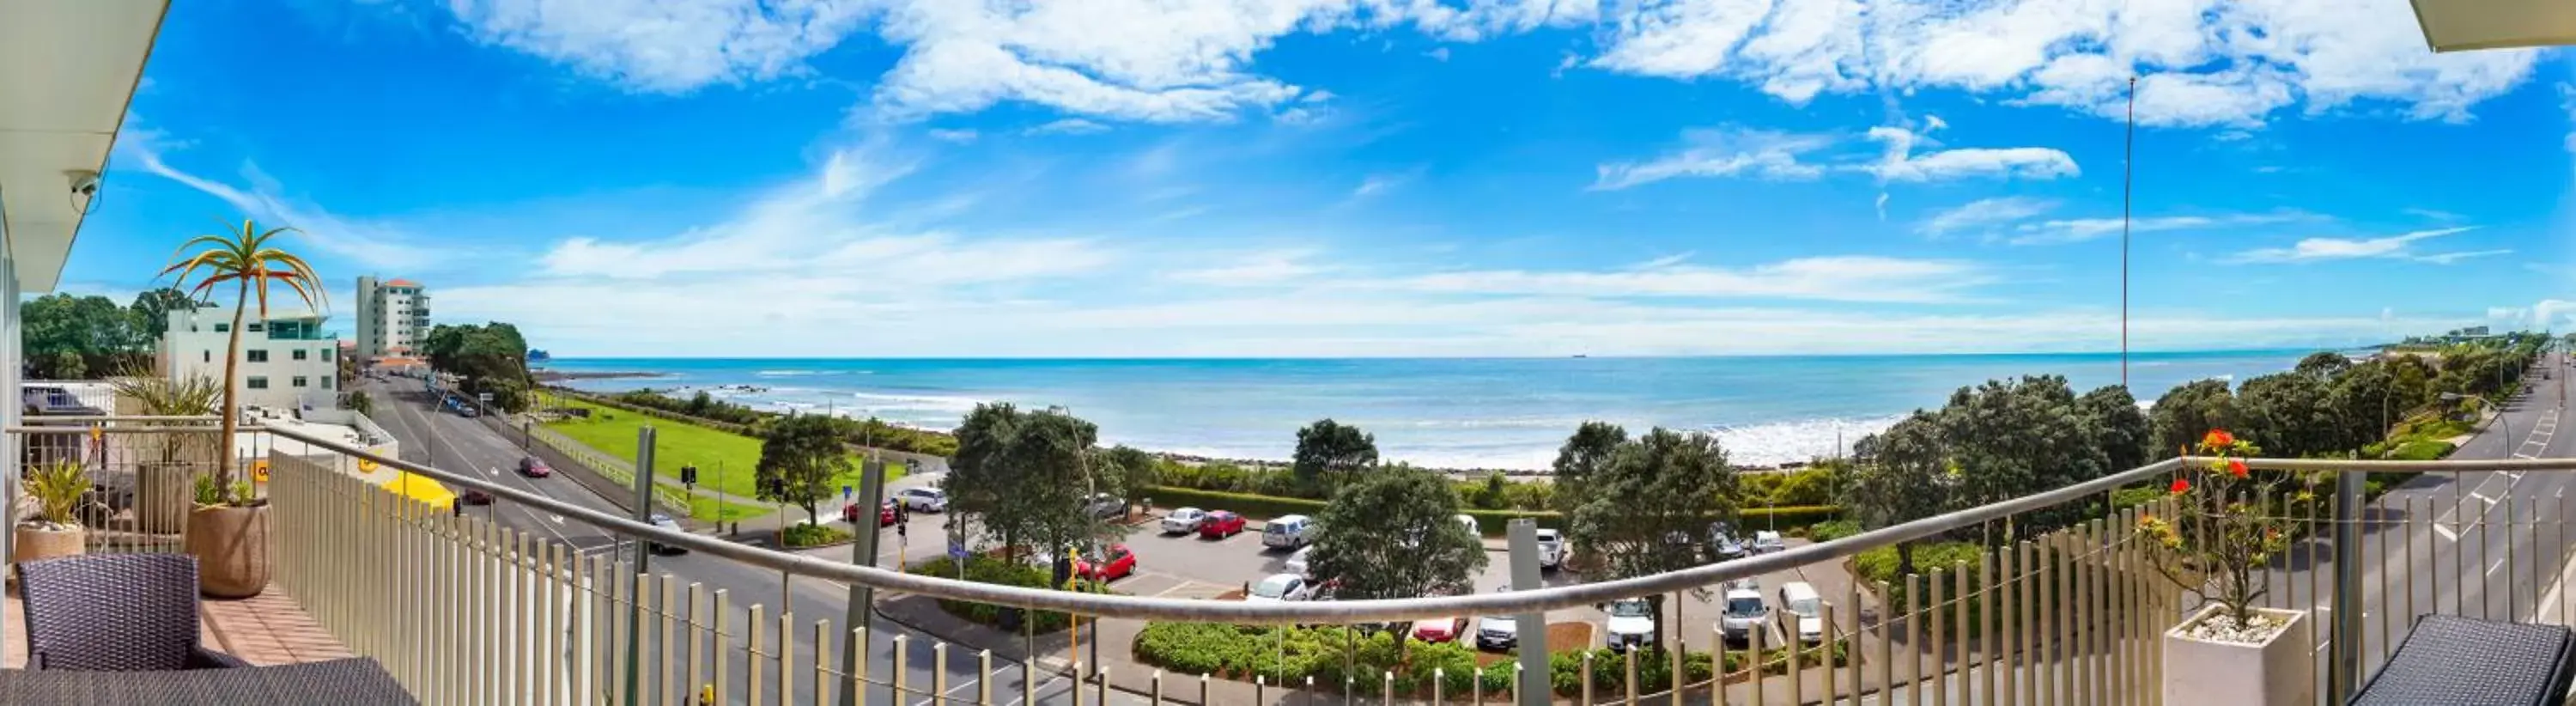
point(2281, 672)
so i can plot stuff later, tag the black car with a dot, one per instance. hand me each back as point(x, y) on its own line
point(476, 496)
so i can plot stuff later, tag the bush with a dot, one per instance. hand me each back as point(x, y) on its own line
point(1260, 507)
point(1832, 530)
point(1786, 518)
point(982, 568)
point(799, 536)
point(2426, 450)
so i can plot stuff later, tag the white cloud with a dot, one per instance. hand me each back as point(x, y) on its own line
point(364, 242)
point(2453, 257)
point(2321, 249)
point(1855, 278)
point(2554, 314)
point(1068, 126)
point(1267, 268)
point(1984, 213)
point(1901, 163)
point(1722, 152)
point(2077, 230)
point(956, 136)
point(1769, 154)
point(1379, 184)
point(2199, 62)
point(667, 46)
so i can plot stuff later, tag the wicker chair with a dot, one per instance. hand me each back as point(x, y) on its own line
point(115, 613)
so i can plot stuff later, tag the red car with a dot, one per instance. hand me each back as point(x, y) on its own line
point(534, 467)
point(1220, 524)
point(1119, 564)
point(1438, 629)
point(476, 496)
point(885, 514)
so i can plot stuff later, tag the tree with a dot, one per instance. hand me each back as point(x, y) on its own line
point(2366, 403)
point(2188, 411)
point(246, 261)
point(799, 460)
point(152, 309)
point(1648, 511)
point(2323, 365)
point(1584, 455)
point(1330, 454)
point(1133, 470)
point(1023, 476)
point(2113, 421)
point(69, 338)
point(2288, 414)
point(1903, 476)
point(491, 359)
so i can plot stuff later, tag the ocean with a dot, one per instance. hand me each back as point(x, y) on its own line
point(1446, 413)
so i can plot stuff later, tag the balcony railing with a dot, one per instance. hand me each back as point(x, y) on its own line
point(465, 610)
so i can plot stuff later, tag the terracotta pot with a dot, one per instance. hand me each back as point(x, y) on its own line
point(34, 542)
point(231, 547)
point(2279, 672)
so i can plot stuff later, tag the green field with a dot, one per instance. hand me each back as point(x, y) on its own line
point(725, 461)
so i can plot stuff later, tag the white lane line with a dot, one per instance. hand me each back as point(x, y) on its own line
point(2499, 563)
point(1041, 690)
point(2445, 531)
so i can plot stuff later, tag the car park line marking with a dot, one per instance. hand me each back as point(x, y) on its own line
point(2446, 533)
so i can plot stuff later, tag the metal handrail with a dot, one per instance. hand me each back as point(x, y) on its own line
point(1379, 610)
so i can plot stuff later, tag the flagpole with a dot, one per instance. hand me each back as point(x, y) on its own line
point(2128, 169)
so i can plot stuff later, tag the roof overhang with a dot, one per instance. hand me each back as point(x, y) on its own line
point(2462, 25)
point(68, 69)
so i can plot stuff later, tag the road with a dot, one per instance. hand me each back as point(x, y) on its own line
point(449, 442)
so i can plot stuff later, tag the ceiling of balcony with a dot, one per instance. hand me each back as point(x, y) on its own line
point(2460, 25)
point(67, 70)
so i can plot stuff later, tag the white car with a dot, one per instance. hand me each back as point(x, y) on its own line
point(1279, 588)
point(922, 499)
point(1802, 612)
point(1551, 549)
point(1767, 541)
point(1632, 623)
point(1297, 562)
point(1184, 520)
point(1742, 614)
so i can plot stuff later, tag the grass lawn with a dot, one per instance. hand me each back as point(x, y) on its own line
point(725, 461)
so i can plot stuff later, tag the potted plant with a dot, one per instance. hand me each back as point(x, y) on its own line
point(228, 530)
point(2218, 543)
point(55, 530)
point(167, 464)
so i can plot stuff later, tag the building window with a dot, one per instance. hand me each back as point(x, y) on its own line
point(258, 356)
point(210, 356)
point(254, 328)
point(326, 357)
point(300, 354)
point(223, 328)
point(299, 381)
point(258, 382)
point(326, 382)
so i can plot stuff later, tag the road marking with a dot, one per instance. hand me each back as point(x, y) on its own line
point(2445, 531)
point(557, 518)
point(2492, 569)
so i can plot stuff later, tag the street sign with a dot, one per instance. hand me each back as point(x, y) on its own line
point(485, 398)
point(845, 492)
point(956, 551)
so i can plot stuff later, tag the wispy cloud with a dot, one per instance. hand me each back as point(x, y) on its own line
point(1854, 278)
point(956, 136)
point(2077, 230)
point(1068, 126)
point(1380, 183)
point(1721, 152)
point(367, 243)
point(1984, 213)
point(1772, 154)
point(1901, 162)
point(1268, 268)
point(2324, 249)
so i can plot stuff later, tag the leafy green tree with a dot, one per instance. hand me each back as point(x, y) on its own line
point(1394, 534)
point(1023, 478)
point(1584, 455)
point(152, 307)
point(69, 338)
point(1648, 511)
point(2366, 402)
point(2011, 438)
point(1133, 469)
point(1330, 454)
point(2288, 414)
point(798, 461)
point(2188, 411)
point(2112, 419)
point(2324, 365)
point(249, 263)
point(1903, 475)
point(491, 359)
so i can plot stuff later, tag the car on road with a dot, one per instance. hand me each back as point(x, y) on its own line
point(1438, 629)
point(665, 522)
point(1278, 588)
point(1741, 614)
point(476, 496)
point(1767, 541)
point(1551, 550)
point(885, 513)
point(1497, 632)
point(534, 467)
point(1106, 506)
point(1297, 562)
point(1802, 612)
point(923, 499)
point(1288, 532)
point(1117, 563)
point(1220, 524)
point(1632, 623)
point(1184, 520)
point(1723, 543)
point(467, 411)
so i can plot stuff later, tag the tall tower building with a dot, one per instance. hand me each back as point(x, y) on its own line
point(393, 317)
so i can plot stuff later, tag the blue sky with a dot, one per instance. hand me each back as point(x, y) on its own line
point(1363, 177)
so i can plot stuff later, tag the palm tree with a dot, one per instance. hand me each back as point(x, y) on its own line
point(246, 260)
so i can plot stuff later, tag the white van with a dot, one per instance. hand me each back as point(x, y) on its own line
point(1292, 531)
point(1469, 522)
point(1802, 612)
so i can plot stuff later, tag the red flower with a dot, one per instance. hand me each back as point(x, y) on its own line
point(2218, 438)
point(2236, 468)
point(2181, 486)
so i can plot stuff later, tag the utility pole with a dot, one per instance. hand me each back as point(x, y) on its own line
point(2128, 170)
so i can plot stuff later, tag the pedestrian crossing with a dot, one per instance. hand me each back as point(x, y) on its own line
point(2537, 442)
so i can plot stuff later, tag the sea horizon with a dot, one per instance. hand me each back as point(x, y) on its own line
point(1505, 413)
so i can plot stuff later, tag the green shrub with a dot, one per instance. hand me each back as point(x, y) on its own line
point(996, 570)
point(1786, 518)
point(1831, 530)
point(1259, 507)
point(798, 536)
point(2422, 450)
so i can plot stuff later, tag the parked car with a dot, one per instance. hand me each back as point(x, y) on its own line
point(1497, 632)
point(923, 499)
point(1723, 543)
point(1220, 524)
point(1183, 521)
point(1741, 614)
point(1297, 562)
point(1438, 629)
point(885, 514)
point(1632, 623)
point(1469, 522)
point(476, 496)
point(1106, 506)
point(1117, 563)
point(665, 522)
point(1277, 589)
point(1767, 541)
point(467, 411)
point(1802, 612)
point(534, 467)
point(1288, 532)
point(1551, 549)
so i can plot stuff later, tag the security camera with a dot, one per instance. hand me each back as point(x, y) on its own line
point(84, 182)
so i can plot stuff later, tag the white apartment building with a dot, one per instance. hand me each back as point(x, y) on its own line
point(393, 317)
point(288, 361)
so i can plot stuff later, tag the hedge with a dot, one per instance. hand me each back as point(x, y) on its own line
point(1259, 507)
point(2427, 450)
point(1284, 655)
point(1492, 522)
point(981, 568)
point(801, 536)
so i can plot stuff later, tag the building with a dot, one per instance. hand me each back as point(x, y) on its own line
point(288, 360)
point(393, 317)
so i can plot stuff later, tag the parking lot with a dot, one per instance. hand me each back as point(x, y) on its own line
point(1186, 566)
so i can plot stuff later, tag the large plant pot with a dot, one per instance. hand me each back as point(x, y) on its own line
point(2279, 672)
point(231, 547)
point(164, 493)
point(33, 542)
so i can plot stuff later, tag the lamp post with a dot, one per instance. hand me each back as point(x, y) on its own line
point(2508, 445)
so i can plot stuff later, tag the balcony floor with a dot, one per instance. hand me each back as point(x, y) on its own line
point(263, 630)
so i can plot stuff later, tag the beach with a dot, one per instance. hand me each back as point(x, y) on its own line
point(1498, 413)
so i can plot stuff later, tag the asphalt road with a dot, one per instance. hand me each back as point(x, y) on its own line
point(449, 442)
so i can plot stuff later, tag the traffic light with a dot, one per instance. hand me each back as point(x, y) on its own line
point(689, 475)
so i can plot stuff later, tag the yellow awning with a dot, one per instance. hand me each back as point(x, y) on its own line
point(421, 489)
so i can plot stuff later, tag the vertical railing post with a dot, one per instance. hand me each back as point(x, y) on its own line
point(2345, 667)
point(1533, 677)
point(643, 555)
point(859, 611)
